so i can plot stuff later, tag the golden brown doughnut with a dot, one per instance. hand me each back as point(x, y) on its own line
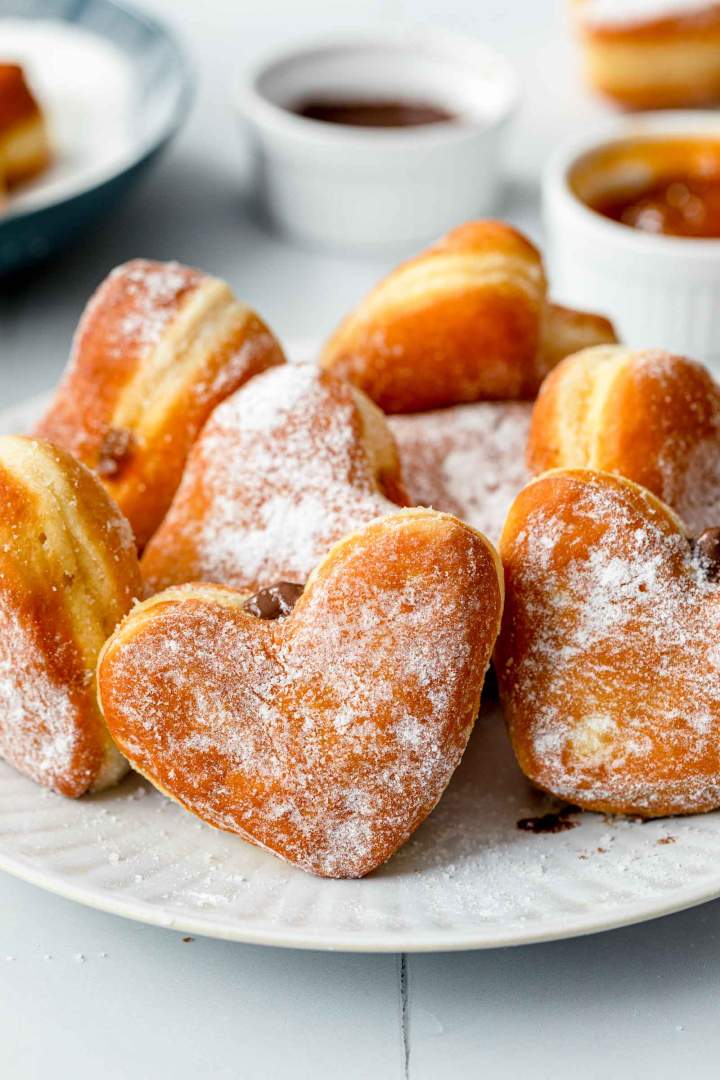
point(468, 460)
point(327, 736)
point(643, 413)
point(68, 573)
point(609, 657)
point(467, 320)
point(158, 347)
point(652, 56)
point(24, 144)
point(285, 467)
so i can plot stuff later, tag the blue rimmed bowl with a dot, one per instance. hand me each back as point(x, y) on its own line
point(162, 93)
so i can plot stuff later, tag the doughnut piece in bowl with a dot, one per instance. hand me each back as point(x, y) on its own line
point(24, 143)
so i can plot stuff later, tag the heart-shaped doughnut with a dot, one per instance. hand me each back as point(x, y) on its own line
point(466, 320)
point(646, 414)
point(159, 345)
point(329, 735)
point(68, 573)
point(609, 656)
point(290, 464)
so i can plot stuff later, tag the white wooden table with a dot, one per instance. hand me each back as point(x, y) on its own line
point(84, 994)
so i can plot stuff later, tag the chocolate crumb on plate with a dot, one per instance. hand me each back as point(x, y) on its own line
point(554, 822)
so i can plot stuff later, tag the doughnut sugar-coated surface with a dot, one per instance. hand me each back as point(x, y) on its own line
point(328, 736)
point(283, 469)
point(468, 460)
point(609, 656)
point(158, 346)
point(643, 413)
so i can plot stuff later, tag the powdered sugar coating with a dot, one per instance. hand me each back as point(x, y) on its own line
point(123, 321)
point(685, 414)
point(609, 658)
point(280, 472)
point(694, 494)
point(40, 730)
point(329, 736)
point(641, 413)
point(159, 345)
point(151, 295)
point(467, 460)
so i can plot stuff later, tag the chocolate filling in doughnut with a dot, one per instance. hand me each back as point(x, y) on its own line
point(116, 447)
point(275, 602)
point(707, 548)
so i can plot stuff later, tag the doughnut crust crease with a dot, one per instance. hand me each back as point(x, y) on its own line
point(609, 657)
point(466, 320)
point(646, 414)
point(329, 735)
point(158, 347)
point(68, 574)
point(285, 467)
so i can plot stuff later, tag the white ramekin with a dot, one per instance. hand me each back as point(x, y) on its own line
point(660, 291)
point(364, 189)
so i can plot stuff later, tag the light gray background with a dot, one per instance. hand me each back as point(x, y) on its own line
point(84, 994)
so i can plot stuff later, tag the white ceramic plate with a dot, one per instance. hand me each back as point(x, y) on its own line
point(468, 879)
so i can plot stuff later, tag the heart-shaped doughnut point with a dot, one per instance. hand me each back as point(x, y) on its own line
point(327, 735)
point(609, 656)
point(68, 574)
point(287, 466)
point(643, 413)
